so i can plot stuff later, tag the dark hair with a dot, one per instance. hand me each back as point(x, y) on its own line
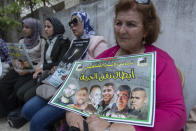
point(124, 88)
point(109, 84)
point(83, 88)
point(139, 89)
point(57, 25)
point(151, 20)
point(94, 86)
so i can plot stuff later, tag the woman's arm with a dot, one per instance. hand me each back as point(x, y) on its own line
point(58, 52)
point(97, 46)
point(39, 66)
point(170, 112)
point(97, 124)
point(42, 45)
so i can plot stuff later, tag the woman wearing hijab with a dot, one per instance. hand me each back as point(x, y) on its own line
point(13, 80)
point(41, 115)
point(82, 28)
point(55, 48)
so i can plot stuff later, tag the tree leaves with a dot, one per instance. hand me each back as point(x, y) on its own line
point(10, 12)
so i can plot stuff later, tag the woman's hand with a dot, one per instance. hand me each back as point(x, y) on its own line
point(75, 120)
point(96, 124)
point(37, 71)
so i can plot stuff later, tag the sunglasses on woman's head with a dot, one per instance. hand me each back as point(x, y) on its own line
point(73, 22)
point(142, 1)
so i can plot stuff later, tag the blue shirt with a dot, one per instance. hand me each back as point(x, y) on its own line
point(4, 53)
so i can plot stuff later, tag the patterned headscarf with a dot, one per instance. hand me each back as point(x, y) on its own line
point(35, 27)
point(58, 27)
point(87, 26)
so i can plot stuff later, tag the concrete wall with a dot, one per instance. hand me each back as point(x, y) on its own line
point(101, 14)
point(177, 38)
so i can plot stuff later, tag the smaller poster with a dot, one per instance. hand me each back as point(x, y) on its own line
point(20, 58)
point(77, 50)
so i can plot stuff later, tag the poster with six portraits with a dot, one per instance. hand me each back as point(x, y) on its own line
point(119, 89)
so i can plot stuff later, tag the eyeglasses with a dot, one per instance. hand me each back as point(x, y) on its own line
point(73, 22)
point(142, 1)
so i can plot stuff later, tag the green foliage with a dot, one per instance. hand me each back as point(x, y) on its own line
point(34, 3)
point(8, 15)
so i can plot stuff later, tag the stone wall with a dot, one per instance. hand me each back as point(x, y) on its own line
point(178, 39)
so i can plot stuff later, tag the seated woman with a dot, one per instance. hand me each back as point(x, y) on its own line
point(13, 80)
point(55, 48)
point(81, 27)
point(37, 110)
point(136, 28)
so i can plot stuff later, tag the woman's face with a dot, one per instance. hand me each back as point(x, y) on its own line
point(49, 29)
point(76, 28)
point(26, 30)
point(129, 31)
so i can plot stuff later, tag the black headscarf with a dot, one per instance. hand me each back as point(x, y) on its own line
point(59, 29)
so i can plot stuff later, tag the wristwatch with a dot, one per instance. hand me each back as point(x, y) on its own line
point(108, 127)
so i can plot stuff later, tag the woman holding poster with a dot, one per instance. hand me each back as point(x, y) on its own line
point(136, 28)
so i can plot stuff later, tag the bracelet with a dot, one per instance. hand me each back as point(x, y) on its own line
point(108, 127)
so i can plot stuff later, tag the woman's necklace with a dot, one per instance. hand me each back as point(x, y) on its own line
point(121, 52)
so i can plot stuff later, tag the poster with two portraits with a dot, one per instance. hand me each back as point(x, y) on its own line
point(119, 89)
point(77, 50)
